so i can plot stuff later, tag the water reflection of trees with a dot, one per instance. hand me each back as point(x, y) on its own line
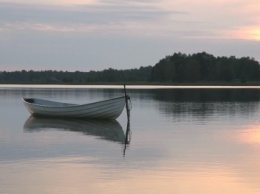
point(207, 95)
point(205, 102)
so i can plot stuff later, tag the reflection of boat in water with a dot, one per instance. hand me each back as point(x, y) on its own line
point(109, 130)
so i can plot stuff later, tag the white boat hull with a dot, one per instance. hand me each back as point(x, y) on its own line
point(107, 109)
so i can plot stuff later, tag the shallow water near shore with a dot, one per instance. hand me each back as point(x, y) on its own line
point(184, 140)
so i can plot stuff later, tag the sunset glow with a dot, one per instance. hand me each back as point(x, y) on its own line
point(250, 135)
point(248, 33)
point(255, 33)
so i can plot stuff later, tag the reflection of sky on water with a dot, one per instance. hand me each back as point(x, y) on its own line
point(250, 135)
point(65, 176)
point(214, 149)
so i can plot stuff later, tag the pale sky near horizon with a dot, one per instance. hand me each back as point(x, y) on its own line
point(84, 35)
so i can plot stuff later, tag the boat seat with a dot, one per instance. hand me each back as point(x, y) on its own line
point(30, 100)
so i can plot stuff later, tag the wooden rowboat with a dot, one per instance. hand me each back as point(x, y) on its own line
point(107, 109)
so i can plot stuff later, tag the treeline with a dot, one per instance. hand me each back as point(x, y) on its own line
point(204, 67)
point(59, 77)
point(178, 68)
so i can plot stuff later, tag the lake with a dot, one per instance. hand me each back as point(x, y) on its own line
point(182, 140)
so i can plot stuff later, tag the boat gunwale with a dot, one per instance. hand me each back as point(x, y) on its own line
point(66, 104)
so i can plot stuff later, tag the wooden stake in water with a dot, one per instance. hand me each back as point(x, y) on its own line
point(127, 106)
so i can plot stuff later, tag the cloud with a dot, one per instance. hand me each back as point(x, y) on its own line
point(129, 17)
point(156, 18)
point(49, 33)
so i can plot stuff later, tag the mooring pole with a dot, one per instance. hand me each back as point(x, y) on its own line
point(127, 137)
point(126, 103)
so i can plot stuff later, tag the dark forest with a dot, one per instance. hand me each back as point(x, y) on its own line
point(175, 69)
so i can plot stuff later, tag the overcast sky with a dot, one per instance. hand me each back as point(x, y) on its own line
point(84, 35)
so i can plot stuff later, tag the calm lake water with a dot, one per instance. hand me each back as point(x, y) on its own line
point(180, 140)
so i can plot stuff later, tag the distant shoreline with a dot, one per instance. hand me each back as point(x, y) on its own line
point(213, 84)
point(175, 70)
